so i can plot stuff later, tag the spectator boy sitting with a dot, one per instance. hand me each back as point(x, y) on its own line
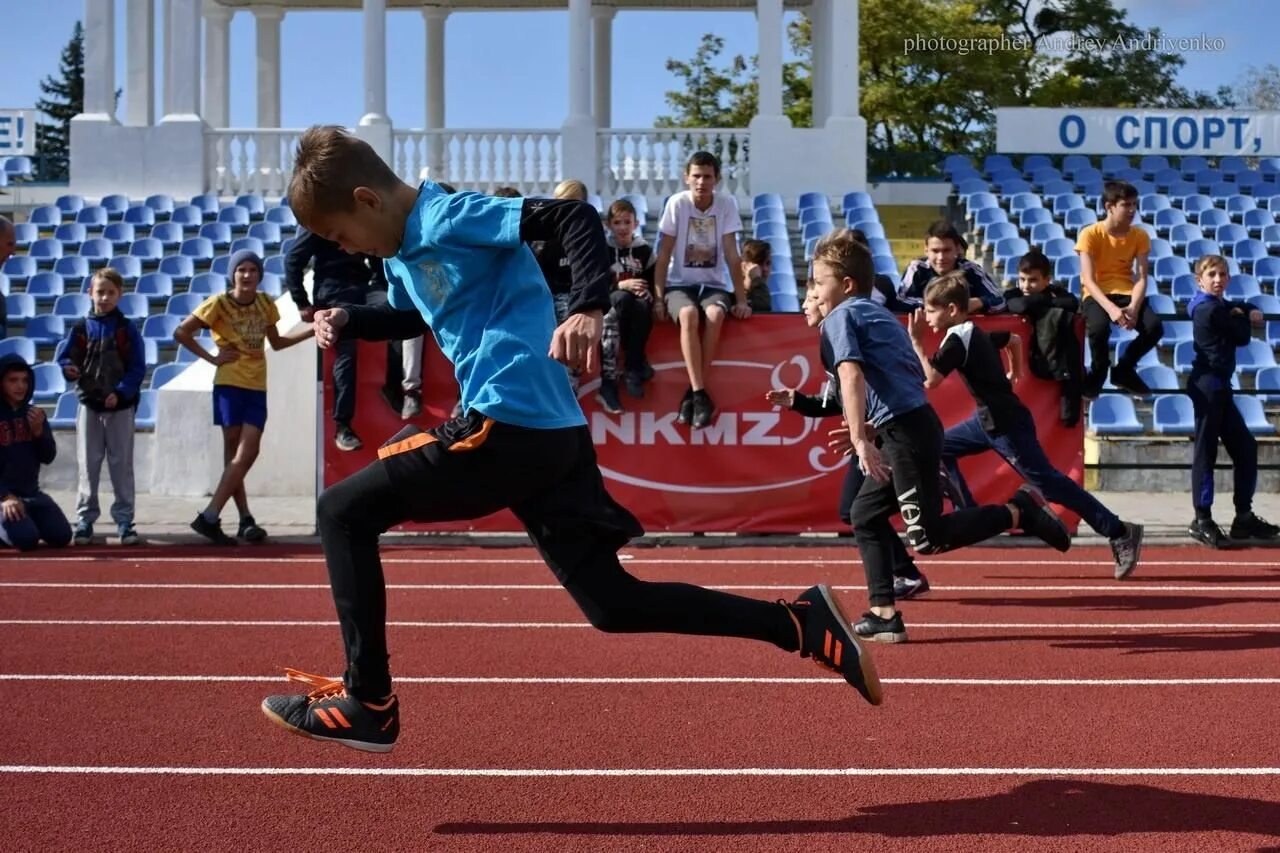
point(944, 250)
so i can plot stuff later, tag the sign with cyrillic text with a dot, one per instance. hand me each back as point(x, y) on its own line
point(17, 133)
point(1030, 130)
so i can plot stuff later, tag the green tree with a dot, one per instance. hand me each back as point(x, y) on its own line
point(1259, 88)
point(64, 99)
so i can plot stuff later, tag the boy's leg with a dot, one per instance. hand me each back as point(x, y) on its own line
point(119, 433)
point(90, 447)
point(903, 565)
point(610, 342)
point(1097, 329)
point(966, 438)
point(1242, 447)
point(344, 381)
point(1209, 403)
point(870, 515)
point(1150, 329)
point(411, 364)
point(22, 534)
point(636, 322)
point(244, 452)
point(689, 321)
point(716, 312)
point(49, 520)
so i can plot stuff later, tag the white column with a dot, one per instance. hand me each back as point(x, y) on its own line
point(267, 23)
point(435, 18)
point(100, 59)
point(769, 30)
point(184, 18)
point(217, 62)
point(822, 71)
point(140, 64)
point(843, 100)
point(375, 62)
point(602, 76)
point(579, 59)
point(166, 57)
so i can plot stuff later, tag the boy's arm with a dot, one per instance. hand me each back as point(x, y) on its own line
point(984, 293)
point(295, 266)
point(130, 384)
point(1060, 297)
point(279, 340)
point(575, 226)
point(382, 323)
point(1139, 287)
point(729, 243)
point(815, 407)
point(42, 442)
point(185, 335)
point(73, 355)
point(1091, 286)
point(666, 244)
point(853, 391)
point(932, 375)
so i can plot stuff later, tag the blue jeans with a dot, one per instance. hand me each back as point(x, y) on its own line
point(1021, 449)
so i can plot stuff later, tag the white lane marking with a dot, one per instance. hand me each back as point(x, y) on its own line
point(543, 587)
point(1198, 627)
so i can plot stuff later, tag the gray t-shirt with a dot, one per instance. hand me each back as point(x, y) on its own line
point(860, 330)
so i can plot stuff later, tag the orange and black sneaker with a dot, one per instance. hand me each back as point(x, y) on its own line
point(827, 637)
point(329, 713)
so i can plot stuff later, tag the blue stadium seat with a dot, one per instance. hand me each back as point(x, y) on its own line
point(1073, 163)
point(169, 234)
point(1059, 248)
point(1149, 358)
point(1175, 331)
point(1197, 249)
point(1267, 271)
point(273, 265)
point(24, 234)
point(1251, 182)
point(45, 251)
point(1266, 379)
point(1254, 416)
point(1183, 354)
point(1019, 202)
point(764, 214)
point(886, 265)
point(207, 204)
point(1266, 303)
point(219, 264)
point(24, 347)
point(1056, 188)
point(19, 268)
point(982, 220)
point(217, 233)
point(198, 249)
point(1212, 219)
point(1032, 216)
point(4, 288)
point(1000, 231)
point(120, 235)
point(257, 208)
point(1248, 252)
point(869, 228)
point(1239, 205)
point(207, 284)
point(140, 216)
point(115, 206)
point(996, 163)
point(767, 200)
point(64, 413)
point(1230, 234)
point(953, 162)
point(72, 267)
point(1195, 204)
point(46, 286)
point(50, 383)
point(816, 229)
point(134, 306)
point(1159, 249)
point(1172, 414)
point(781, 281)
point(188, 216)
point(271, 285)
point(1250, 357)
point(807, 215)
point(160, 327)
point(1010, 247)
point(1130, 174)
point(1270, 238)
point(1167, 219)
point(1114, 414)
point(856, 199)
point(964, 189)
point(164, 373)
point(284, 217)
point(269, 232)
point(70, 235)
point(1221, 192)
point(1242, 288)
point(128, 266)
point(767, 230)
point(93, 218)
point(1159, 378)
point(976, 202)
point(1032, 162)
point(46, 218)
point(182, 304)
point(1113, 164)
point(1181, 235)
point(19, 307)
point(1167, 269)
point(1233, 165)
point(177, 267)
point(145, 417)
point(1206, 178)
point(785, 303)
point(161, 203)
point(1256, 221)
point(1079, 218)
point(1149, 204)
point(1066, 267)
point(70, 204)
point(1046, 231)
point(1162, 304)
point(147, 250)
point(1178, 191)
point(45, 329)
point(813, 199)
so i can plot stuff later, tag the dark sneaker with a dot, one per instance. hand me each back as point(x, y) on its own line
point(83, 534)
point(685, 414)
point(129, 536)
point(951, 488)
point(1069, 410)
point(1207, 532)
point(1040, 521)
point(328, 713)
point(703, 409)
point(634, 383)
point(249, 530)
point(607, 396)
point(1126, 378)
point(393, 397)
point(346, 439)
point(1127, 548)
point(211, 530)
point(825, 636)
point(646, 372)
point(1252, 527)
point(906, 588)
point(877, 629)
point(412, 405)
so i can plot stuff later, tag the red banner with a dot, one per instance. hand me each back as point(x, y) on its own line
point(756, 468)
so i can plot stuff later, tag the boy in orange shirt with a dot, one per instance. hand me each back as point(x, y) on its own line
point(1113, 273)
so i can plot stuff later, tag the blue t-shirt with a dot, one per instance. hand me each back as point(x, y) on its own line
point(462, 265)
point(864, 331)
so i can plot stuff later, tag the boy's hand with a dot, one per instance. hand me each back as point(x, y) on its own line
point(36, 420)
point(13, 509)
point(112, 401)
point(307, 314)
point(226, 356)
point(871, 462)
point(741, 308)
point(659, 310)
point(785, 398)
point(328, 323)
point(915, 325)
point(1255, 317)
point(638, 286)
point(71, 372)
point(574, 341)
point(839, 441)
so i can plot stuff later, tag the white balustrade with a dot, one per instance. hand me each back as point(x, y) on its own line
point(250, 160)
point(651, 161)
point(480, 160)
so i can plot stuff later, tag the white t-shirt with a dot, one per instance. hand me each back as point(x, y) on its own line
point(698, 255)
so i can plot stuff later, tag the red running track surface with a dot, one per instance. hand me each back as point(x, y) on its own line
point(1040, 705)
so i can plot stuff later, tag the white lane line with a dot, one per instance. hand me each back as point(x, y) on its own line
point(676, 680)
point(848, 557)
point(547, 587)
point(526, 772)
point(1199, 627)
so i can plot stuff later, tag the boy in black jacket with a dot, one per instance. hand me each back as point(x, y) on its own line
point(630, 319)
point(27, 514)
point(1052, 310)
point(1219, 327)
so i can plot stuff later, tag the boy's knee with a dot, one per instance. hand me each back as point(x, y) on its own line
point(23, 537)
point(688, 316)
point(715, 315)
point(59, 538)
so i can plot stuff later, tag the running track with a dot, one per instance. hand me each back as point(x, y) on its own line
point(1040, 705)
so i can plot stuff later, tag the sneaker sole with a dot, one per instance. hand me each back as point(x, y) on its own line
point(1121, 574)
point(363, 746)
point(885, 637)
point(870, 678)
point(915, 593)
point(1042, 506)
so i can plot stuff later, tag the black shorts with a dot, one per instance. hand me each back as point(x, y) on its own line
point(472, 466)
point(700, 297)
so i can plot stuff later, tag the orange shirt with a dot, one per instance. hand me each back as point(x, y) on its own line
point(1113, 257)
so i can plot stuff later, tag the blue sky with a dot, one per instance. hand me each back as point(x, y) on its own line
point(322, 58)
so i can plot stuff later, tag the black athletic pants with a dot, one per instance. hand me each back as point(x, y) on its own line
point(344, 365)
point(1097, 329)
point(912, 448)
point(903, 565)
point(472, 466)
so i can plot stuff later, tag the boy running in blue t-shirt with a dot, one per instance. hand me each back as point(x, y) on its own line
point(457, 266)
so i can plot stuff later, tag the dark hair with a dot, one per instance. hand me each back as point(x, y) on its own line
point(703, 158)
point(857, 234)
point(1114, 192)
point(507, 192)
point(757, 252)
point(620, 207)
point(450, 189)
point(948, 289)
point(1035, 261)
point(944, 230)
point(850, 258)
point(328, 166)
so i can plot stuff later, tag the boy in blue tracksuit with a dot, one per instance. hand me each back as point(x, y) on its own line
point(27, 514)
point(1219, 327)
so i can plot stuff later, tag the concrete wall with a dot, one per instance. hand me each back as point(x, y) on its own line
point(922, 193)
point(1151, 450)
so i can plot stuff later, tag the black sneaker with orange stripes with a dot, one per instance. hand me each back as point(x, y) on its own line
point(827, 637)
point(329, 713)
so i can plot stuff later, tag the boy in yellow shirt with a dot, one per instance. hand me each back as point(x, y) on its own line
point(242, 320)
point(1113, 273)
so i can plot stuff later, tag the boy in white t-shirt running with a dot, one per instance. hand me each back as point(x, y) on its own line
point(698, 275)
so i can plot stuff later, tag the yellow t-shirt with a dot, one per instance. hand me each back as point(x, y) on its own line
point(1113, 256)
point(243, 327)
